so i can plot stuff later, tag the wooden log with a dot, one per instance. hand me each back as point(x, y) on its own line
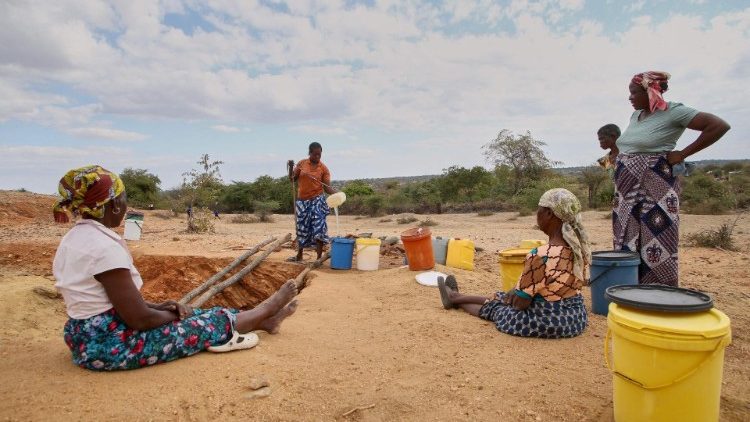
point(216, 288)
point(218, 276)
point(300, 279)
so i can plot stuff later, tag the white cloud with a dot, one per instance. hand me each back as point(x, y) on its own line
point(320, 130)
point(226, 129)
point(106, 133)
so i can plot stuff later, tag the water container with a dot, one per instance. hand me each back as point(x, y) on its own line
point(610, 268)
point(532, 243)
point(460, 254)
point(342, 250)
point(335, 200)
point(511, 266)
point(440, 249)
point(666, 366)
point(418, 247)
point(133, 225)
point(368, 254)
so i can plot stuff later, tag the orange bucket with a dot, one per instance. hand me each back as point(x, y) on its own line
point(418, 245)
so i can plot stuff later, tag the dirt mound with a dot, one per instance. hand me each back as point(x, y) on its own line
point(171, 277)
point(17, 208)
point(33, 258)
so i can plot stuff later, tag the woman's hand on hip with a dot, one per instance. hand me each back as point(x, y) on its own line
point(674, 157)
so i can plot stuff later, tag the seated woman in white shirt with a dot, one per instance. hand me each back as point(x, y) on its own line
point(111, 326)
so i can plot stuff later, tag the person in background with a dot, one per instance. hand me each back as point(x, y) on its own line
point(110, 325)
point(313, 178)
point(547, 300)
point(646, 207)
point(608, 135)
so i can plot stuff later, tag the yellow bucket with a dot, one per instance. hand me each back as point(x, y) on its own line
point(666, 366)
point(460, 254)
point(511, 266)
point(532, 243)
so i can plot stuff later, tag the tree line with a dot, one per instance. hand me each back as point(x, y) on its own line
point(520, 173)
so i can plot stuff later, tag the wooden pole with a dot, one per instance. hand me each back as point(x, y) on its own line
point(300, 279)
point(216, 288)
point(218, 276)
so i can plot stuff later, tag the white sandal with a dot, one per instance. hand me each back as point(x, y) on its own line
point(237, 342)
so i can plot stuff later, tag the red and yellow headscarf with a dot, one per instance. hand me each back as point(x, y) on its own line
point(650, 81)
point(85, 190)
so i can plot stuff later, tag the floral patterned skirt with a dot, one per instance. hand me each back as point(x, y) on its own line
point(105, 343)
point(563, 318)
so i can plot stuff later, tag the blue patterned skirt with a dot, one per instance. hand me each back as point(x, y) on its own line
point(564, 318)
point(311, 221)
point(105, 343)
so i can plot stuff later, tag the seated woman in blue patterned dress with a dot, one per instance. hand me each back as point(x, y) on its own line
point(546, 301)
point(111, 327)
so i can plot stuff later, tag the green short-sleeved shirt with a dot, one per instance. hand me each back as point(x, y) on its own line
point(658, 132)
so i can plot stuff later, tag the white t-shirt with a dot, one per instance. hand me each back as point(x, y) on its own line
point(89, 248)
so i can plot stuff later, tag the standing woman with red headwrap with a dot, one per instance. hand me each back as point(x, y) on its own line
point(645, 215)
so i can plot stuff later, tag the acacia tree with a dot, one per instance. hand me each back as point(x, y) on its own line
point(201, 187)
point(593, 177)
point(142, 186)
point(522, 153)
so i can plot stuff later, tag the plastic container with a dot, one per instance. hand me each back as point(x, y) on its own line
point(335, 200)
point(133, 225)
point(418, 246)
point(368, 254)
point(666, 366)
point(511, 266)
point(440, 249)
point(532, 243)
point(460, 254)
point(342, 250)
point(610, 268)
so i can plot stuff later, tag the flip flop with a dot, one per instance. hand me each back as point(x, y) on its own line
point(451, 282)
point(293, 259)
point(447, 304)
point(237, 342)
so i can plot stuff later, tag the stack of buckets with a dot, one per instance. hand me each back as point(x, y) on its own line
point(512, 260)
point(666, 366)
point(367, 252)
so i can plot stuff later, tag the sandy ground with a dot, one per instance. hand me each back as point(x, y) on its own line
point(375, 340)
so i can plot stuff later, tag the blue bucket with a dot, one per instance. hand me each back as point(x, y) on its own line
point(342, 250)
point(611, 268)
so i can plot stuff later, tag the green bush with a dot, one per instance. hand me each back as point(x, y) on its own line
point(264, 209)
point(720, 238)
point(202, 221)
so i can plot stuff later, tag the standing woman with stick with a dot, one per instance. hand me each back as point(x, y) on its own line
point(311, 210)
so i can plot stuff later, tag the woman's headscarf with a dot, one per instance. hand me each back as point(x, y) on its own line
point(566, 207)
point(85, 190)
point(650, 81)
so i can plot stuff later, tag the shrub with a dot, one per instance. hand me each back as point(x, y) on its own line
point(245, 218)
point(202, 221)
point(406, 220)
point(264, 209)
point(385, 220)
point(428, 223)
point(374, 205)
point(485, 213)
point(164, 215)
point(720, 238)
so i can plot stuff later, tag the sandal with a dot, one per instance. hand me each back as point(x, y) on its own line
point(447, 304)
point(237, 342)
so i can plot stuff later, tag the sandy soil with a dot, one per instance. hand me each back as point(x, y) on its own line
point(375, 340)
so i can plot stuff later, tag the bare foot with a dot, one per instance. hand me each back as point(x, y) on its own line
point(271, 325)
point(278, 300)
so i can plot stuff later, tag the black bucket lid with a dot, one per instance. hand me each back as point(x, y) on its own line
point(658, 297)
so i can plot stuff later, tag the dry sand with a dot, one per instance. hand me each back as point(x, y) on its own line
point(377, 341)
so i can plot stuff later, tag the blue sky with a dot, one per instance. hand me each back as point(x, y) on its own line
point(392, 88)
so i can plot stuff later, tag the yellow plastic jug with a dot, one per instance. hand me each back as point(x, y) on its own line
point(666, 366)
point(511, 266)
point(460, 254)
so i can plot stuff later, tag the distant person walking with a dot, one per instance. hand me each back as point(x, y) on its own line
point(313, 178)
point(645, 216)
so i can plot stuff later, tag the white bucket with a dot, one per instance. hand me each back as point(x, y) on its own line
point(368, 254)
point(133, 229)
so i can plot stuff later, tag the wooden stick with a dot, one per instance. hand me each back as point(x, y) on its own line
point(213, 290)
point(369, 406)
point(216, 277)
point(300, 279)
